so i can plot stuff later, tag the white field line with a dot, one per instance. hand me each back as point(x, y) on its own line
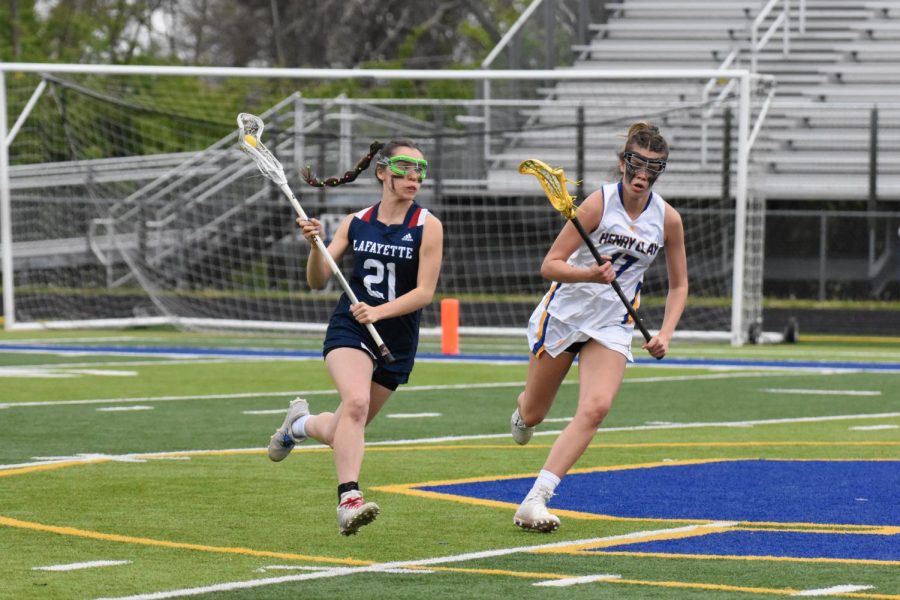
point(814, 392)
point(64, 340)
point(831, 591)
point(873, 427)
point(174, 354)
point(648, 428)
point(311, 568)
point(132, 363)
point(83, 565)
point(422, 415)
point(793, 353)
point(124, 408)
point(569, 581)
point(405, 389)
point(389, 566)
point(60, 372)
point(163, 398)
point(142, 456)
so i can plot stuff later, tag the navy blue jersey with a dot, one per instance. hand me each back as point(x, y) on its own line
point(385, 266)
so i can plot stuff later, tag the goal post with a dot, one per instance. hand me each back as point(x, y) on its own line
point(124, 198)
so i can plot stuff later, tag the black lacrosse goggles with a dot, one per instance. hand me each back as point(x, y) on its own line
point(634, 162)
point(402, 165)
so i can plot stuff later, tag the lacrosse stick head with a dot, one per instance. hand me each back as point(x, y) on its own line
point(553, 180)
point(250, 128)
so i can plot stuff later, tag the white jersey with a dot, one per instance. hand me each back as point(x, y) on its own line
point(594, 308)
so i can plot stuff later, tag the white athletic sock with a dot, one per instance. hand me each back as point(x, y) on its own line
point(298, 427)
point(546, 479)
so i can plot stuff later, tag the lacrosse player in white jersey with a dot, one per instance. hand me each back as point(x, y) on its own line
point(581, 315)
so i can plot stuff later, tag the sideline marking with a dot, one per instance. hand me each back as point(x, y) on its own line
point(873, 427)
point(83, 565)
point(413, 415)
point(576, 580)
point(124, 408)
point(59, 372)
point(820, 392)
point(837, 589)
point(311, 568)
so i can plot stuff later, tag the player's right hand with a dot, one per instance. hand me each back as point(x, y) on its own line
point(310, 228)
point(604, 273)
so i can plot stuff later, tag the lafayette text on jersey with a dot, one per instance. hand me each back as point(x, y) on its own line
point(632, 244)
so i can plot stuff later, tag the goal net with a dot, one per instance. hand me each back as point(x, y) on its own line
point(130, 202)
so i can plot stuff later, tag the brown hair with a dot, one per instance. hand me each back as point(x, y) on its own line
point(348, 176)
point(644, 135)
point(378, 151)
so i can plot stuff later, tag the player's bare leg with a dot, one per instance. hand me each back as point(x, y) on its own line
point(545, 375)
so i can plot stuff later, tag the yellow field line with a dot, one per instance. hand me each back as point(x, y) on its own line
point(127, 539)
point(419, 447)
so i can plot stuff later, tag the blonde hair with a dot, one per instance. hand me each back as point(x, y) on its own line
point(642, 134)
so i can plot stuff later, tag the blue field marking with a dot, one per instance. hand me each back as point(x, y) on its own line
point(816, 492)
point(852, 492)
point(782, 544)
point(252, 353)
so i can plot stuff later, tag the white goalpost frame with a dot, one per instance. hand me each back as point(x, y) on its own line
point(744, 77)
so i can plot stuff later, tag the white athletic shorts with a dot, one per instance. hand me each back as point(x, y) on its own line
point(548, 334)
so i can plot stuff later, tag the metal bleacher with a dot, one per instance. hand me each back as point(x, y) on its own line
point(842, 61)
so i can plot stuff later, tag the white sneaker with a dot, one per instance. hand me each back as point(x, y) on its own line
point(284, 440)
point(354, 512)
point(520, 432)
point(533, 513)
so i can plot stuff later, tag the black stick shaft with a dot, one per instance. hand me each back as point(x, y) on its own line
point(615, 284)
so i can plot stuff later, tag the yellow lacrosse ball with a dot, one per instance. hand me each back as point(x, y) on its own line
point(250, 140)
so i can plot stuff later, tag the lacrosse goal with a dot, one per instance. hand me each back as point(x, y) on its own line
point(124, 199)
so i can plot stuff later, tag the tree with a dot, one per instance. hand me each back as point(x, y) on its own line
point(339, 33)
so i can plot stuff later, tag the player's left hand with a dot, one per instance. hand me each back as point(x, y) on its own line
point(657, 347)
point(364, 313)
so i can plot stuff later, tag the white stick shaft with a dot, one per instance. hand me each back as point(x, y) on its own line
point(331, 264)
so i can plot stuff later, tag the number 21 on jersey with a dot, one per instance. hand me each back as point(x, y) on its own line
point(375, 279)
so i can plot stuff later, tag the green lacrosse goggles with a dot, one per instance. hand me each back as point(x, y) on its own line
point(403, 165)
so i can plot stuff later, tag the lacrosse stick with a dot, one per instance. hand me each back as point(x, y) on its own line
point(250, 128)
point(553, 180)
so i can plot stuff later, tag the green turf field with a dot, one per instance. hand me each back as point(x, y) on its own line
point(132, 465)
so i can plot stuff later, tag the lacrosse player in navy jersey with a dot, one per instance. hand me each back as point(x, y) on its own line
point(397, 247)
point(581, 315)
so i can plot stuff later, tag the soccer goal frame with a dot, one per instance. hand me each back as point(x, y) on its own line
point(741, 87)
